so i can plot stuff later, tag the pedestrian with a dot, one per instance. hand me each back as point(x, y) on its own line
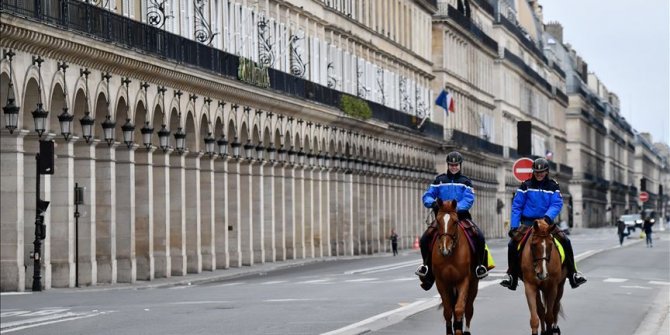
point(452, 185)
point(621, 231)
point(648, 222)
point(538, 197)
point(394, 242)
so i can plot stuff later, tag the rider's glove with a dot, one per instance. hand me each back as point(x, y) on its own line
point(549, 220)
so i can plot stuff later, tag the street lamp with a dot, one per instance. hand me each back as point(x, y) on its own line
point(39, 114)
point(223, 146)
point(87, 123)
point(259, 151)
point(272, 152)
point(40, 118)
point(164, 138)
point(247, 150)
point(147, 131)
point(108, 129)
point(209, 145)
point(65, 119)
point(180, 140)
point(11, 109)
point(236, 148)
point(128, 131)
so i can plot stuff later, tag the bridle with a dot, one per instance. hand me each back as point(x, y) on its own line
point(546, 254)
point(454, 237)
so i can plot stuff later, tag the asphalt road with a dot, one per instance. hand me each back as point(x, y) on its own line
point(627, 291)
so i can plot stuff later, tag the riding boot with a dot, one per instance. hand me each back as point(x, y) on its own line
point(424, 271)
point(480, 270)
point(512, 280)
point(574, 277)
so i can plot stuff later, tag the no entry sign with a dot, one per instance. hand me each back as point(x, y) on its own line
point(644, 196)
point(523, 169)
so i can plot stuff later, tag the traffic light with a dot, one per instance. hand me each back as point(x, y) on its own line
point(42, 206)
point(45, 162)
point(40, 227)
point(643, 184)
point(523, 138)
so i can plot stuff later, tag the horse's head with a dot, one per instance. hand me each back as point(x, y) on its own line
point(541, 244)
point(446, 225)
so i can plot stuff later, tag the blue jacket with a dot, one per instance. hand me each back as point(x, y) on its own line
point(451, 186)
point(535, 199)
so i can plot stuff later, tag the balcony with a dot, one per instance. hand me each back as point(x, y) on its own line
point(98, 23)
point(527, 42)
point(474, 143)
point(466, 24)
point(519, 63)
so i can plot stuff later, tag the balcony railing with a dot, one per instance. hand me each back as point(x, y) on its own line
point(562, 96)
point(516, 60)
point(474, 142)
point(464, 22)
point(514, 29)
point(101, 24)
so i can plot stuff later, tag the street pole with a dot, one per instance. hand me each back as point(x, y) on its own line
point(37, 275)
point(78, 200)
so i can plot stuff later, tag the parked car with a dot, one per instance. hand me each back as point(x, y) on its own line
point(632, 221)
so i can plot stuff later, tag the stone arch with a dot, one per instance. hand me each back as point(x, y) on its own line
point(57, 102)
point(192, 133)
point(158, 122)
point(142, 117)
point(31, 98)
point(122, 115)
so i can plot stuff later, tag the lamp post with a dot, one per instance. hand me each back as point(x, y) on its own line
point(236, 148)
point(10, 109)
point(65, 119)
point(87, 121)
point(78, 200)
point(39, 114)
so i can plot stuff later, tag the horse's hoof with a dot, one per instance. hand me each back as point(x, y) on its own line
point(556, 331)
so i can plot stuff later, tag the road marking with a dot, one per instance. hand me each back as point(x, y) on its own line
point(230, 284)
point(13, 326)
point(315, 281)
point(274, 282)
point(615, 280)
point(289, 300)
point(200, 302)
point(637, 287)
point(14, 293)
point(360, 280)
point(384, 267)
point(659, 282)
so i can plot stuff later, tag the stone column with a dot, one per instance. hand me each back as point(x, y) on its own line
point(13, 220)
point(125, 214)
point(85, 169)
point(61, 226)
point(178, 214)
point(105, 224)
point(192, 217)
point(308, 211)
point(257, 211)
point(299, 210)
point(317, 201)
point(358, 215)
point(325, 212)
point(221, 218)
point(270, 215)
point(279, 211)
point(348, 213)
point(289, 210)
point(161, 214)
point(335, 213)
point(246, 215)
point(207, 204)
point(144, 213)
point(234, 194)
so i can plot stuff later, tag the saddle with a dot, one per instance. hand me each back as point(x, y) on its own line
point(521, 235)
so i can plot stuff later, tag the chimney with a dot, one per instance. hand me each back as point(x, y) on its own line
point(555, 29)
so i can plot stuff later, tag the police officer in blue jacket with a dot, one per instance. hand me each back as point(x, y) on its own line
point(452, 185)
point(537, 197)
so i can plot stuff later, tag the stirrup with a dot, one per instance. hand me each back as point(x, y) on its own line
point(422, 271)
point(481, 272)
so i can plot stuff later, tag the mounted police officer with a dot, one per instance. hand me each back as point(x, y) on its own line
point(537, 197)
point(450, 185)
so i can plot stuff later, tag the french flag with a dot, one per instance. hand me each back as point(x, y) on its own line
point(445, 101)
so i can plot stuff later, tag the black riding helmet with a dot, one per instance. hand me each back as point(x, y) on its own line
point(540, 165)
point(454, 157)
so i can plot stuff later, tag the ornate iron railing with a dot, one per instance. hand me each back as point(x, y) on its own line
point(101, 24)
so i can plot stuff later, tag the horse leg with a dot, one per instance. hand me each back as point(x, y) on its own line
point(470, 306)
point(459, 309)
point(557, 308)
point(447, 309)
point(550, 303)
point(541, 310)
point(531, 299)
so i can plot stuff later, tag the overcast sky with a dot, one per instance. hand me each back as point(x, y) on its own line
point(626, 44)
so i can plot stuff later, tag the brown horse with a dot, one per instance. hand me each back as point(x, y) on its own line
point(543, 278)
point(451, 261)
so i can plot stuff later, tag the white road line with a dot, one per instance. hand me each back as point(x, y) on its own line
point(360, 280)
point(200, 302)
point(615, 280)
point(315, 281)
point(384, 267)
point(274, 282)
point(654, 282)
point(14, 293)
point(637, 287)
point(385, 319)
point(229, 284)
point(45, 320)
